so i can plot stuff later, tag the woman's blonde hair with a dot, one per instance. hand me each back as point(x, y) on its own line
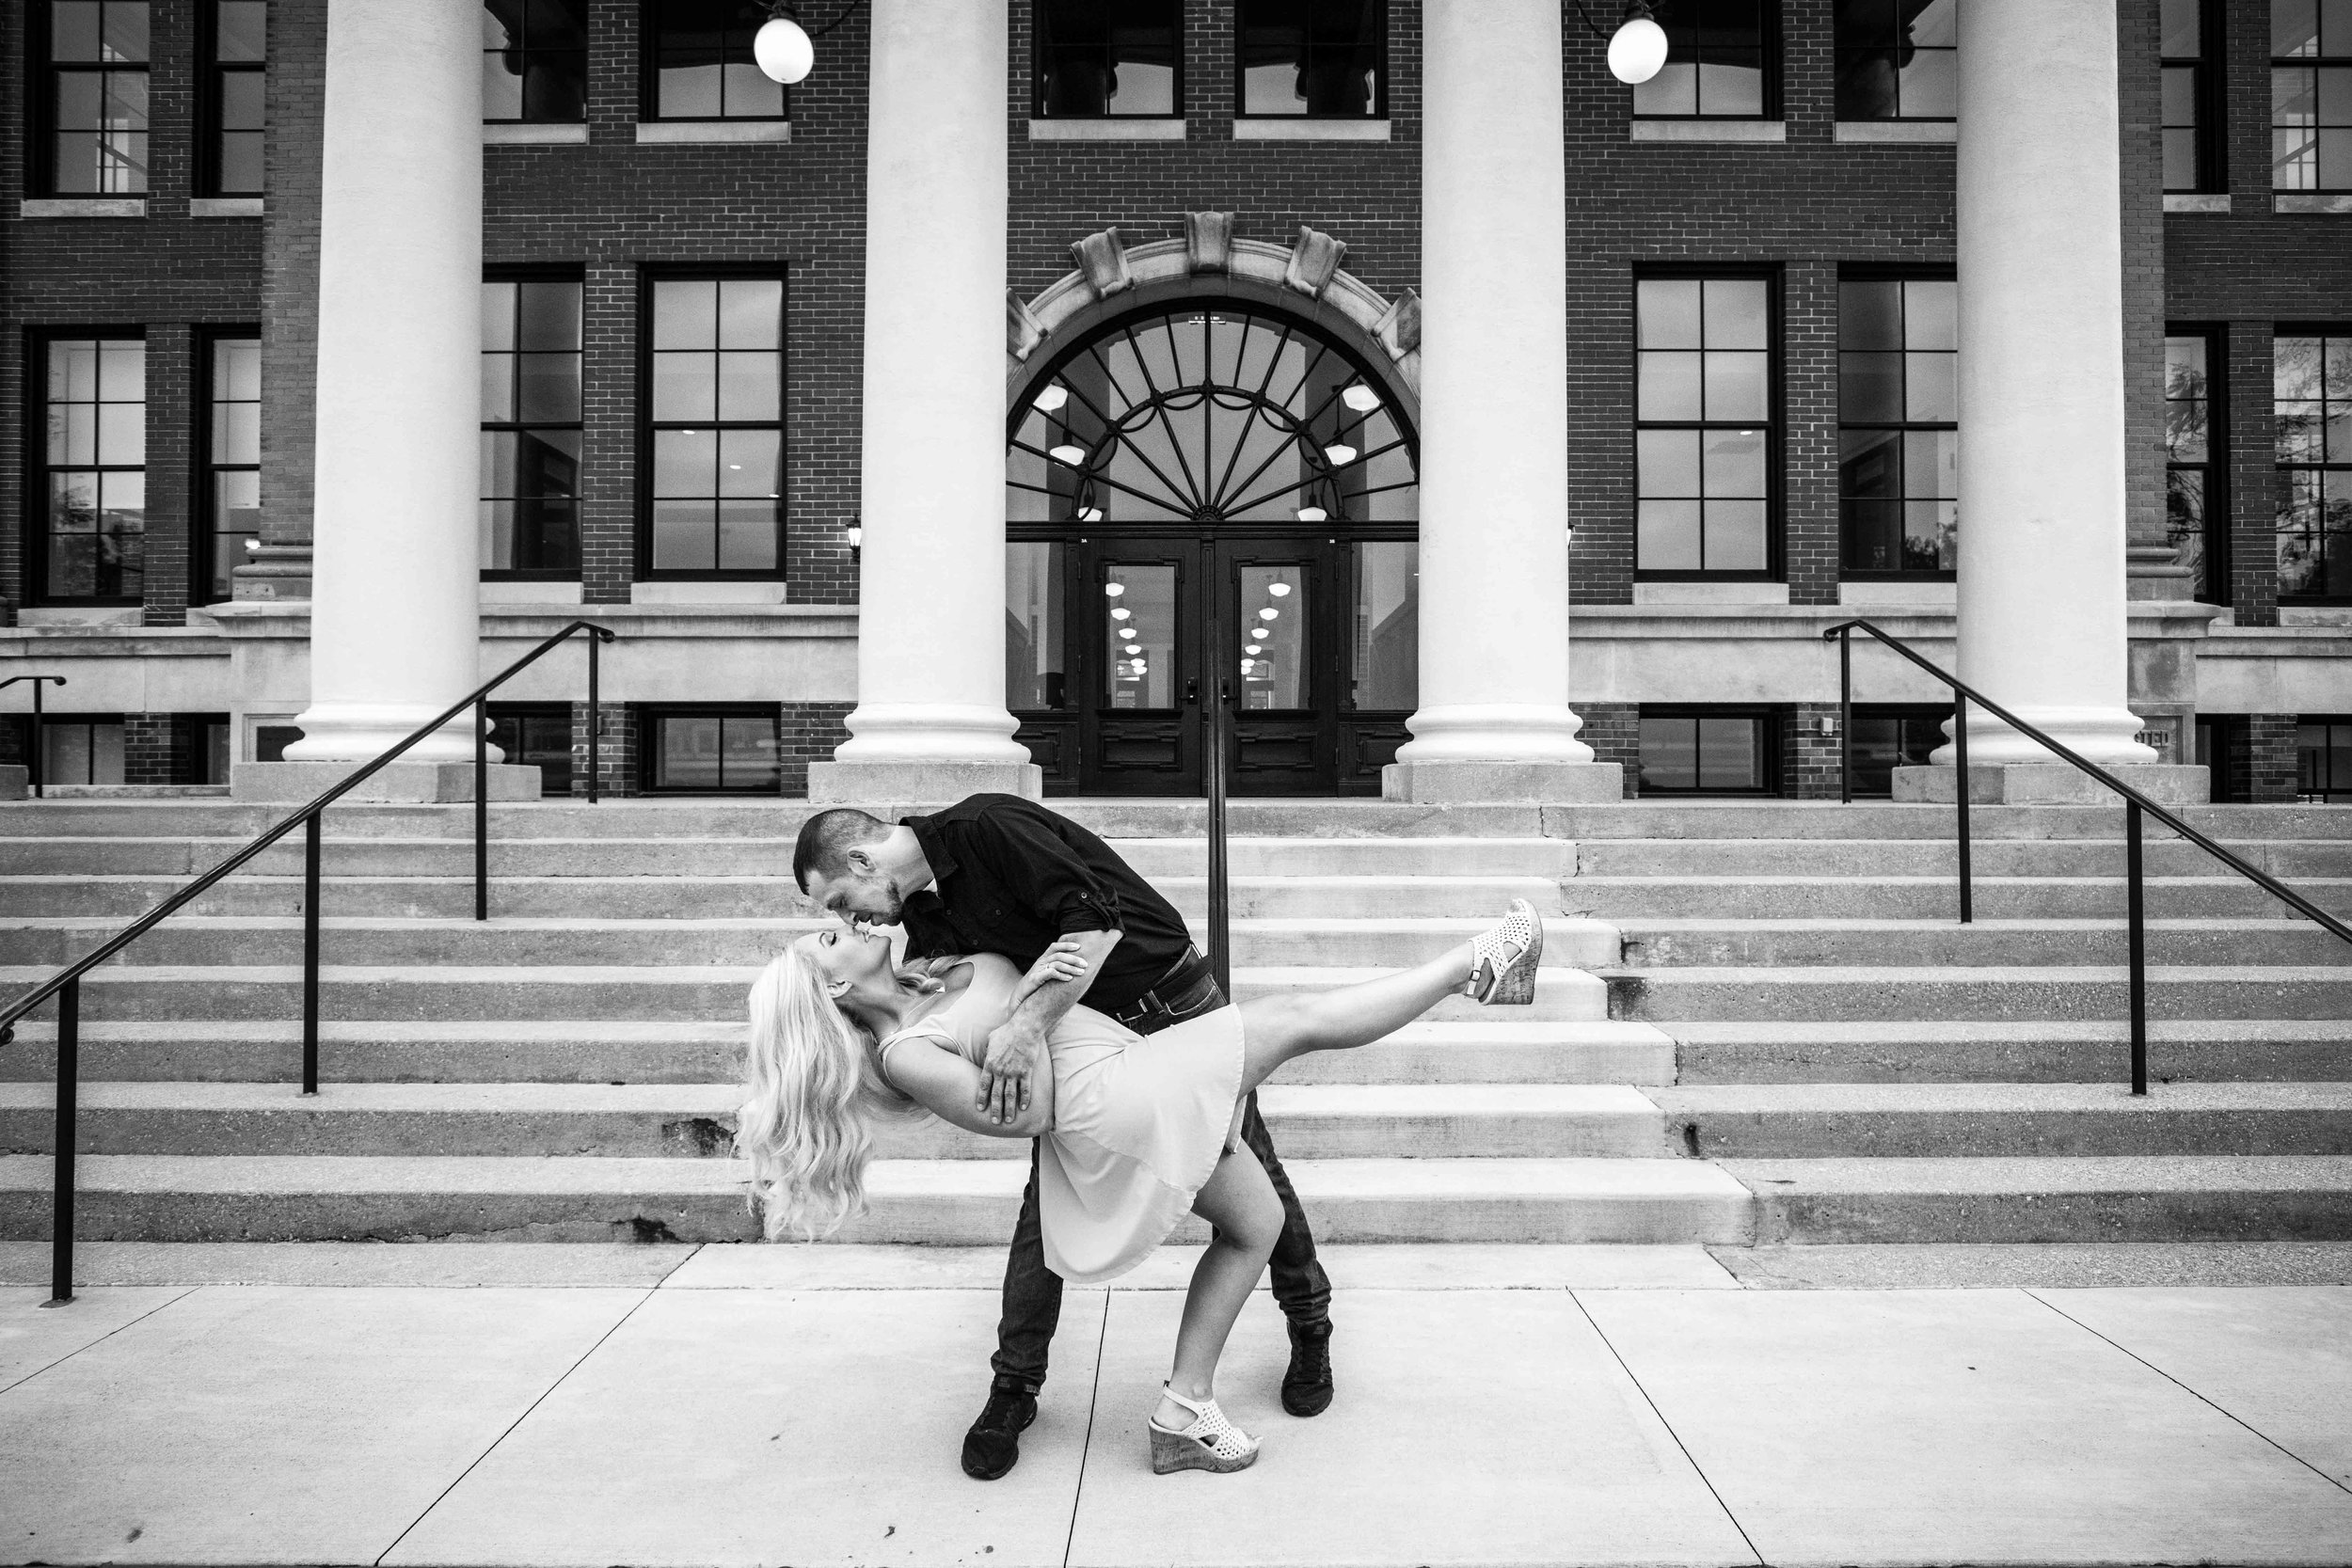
point(811, 1083)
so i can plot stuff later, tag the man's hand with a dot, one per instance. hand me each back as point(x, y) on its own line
point(1013, 1052)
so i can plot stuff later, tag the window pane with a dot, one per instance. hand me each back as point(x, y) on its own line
point(2180, 161)
point(548, 388)
point(1929, 87)
point(1675, 91)
point(685, 386)
point(1667, 462)
point(1274, 616)
point(2183, 29)
point(748, 465)
point(1384, 634)
point(1739, 387)
point(1931, 464)
point(241, 30)
point(74, 30)
point(1734, 537)
point(1106, 57)
point(1932, 385)
point(549, 316)
point(1310, 57)
point(1734, 463)
point(751, 386)
point(751, 313)
point(685, 535)
point(686, 462)
point(1669, 385)
point(123, 31)
point(1730, 754)
point(1666, 536)
point(241, 100)
point(1870, 464)
point(1035, 674)
point(747, 537)
point(241, 163)
point(689, 92)
point(685, 314)
point(688, 751)
point(1142, 617)
point(1670, 749)
point(1737, 313)
point(1869, 315)
point(1870, 387)
point(1731, 88)
point(1667, 314)
point(1931, 314)
point(748, 752)
point(2294, 27)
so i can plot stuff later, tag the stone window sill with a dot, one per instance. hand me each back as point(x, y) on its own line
point(1929, 592)
point(83, 207)
point(1710, 130)
point(1299, 128)
point(1107, 130)
point(1897, 132)
point(2303, 201)
point(500, 133)
point(519, 591)
point(225, 207)
point(732, 592)
point(1710, 593)
point(676, 132)
point(2197, 201)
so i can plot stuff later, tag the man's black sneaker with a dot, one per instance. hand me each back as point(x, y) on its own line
point(1307, 1386)
point(993, 1447)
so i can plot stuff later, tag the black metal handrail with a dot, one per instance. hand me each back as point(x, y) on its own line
point(66, 985)
point(34, 759)
point(2136, 805)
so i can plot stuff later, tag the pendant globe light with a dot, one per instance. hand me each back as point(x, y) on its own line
point(1637, 50)
point(785, 51)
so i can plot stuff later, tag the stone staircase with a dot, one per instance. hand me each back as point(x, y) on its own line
point(1757, 1022)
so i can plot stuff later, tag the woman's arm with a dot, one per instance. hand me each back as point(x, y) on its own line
point(1064, 960)
point(941, 1081)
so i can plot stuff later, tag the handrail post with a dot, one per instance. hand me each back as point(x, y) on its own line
point(480, 809)
point(1220, 921)
point(61, 1196)
point(596, 722)
point(2138, 940)
point(1845, 714)
point(1960, 794)
point(313, 831)
point(40, 756)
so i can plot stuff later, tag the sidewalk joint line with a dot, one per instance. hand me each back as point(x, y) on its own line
point(1704, 1479)
point(692, 1253)
point(509, 1432)
point(2185, 1388)
point(101, 1340)
point(1086, 1448)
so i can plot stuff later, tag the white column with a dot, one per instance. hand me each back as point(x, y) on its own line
point(2041, 490)
point(394, 617)
point(931, 721)
point(1494, 721)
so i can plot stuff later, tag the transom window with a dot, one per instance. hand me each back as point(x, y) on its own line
point(1118, 59)
point(94, 479)
point(1326, 58)
point(717, 428)
point(1899, 425)
point(2312, 385)
point(1209, 416)
point(1898, 59)
point(235, 106)
point(2195, 520)
point(534, 61)
point(1704, 411)
point(700, 64)
point(1720, 61)
point(2186, 155)
point(229, 513)
point(2310, 102)
point(96, 90)
point(530, 427)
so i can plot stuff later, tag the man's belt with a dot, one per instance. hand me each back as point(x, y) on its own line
point(1182, 975)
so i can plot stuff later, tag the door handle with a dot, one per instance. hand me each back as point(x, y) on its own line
point(1192, 692)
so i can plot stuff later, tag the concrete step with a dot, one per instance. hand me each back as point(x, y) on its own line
point(169, 993)
point(1798, 897)
point(2087, 993)
point(1986, 944)
point(948, 1202)
point(2185, 1198)
point(1877, 1050)
point(2290, 860)
point(197, 940)
point(1308, 1121)
point(1736, 819)
point(1732, 1121)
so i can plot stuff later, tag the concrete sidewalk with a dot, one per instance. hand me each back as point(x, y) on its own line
point(741, 1404)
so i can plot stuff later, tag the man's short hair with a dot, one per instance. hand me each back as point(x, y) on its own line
point(827, 838)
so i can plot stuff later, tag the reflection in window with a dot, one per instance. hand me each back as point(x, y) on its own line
point(1384, 631)
point(2312, 385)
point(1898, 431)
point(2323, 759)
point(703, 67)
point(530, 427)
point(2310, 98)
point(1273, 638)
point(97, 96)
point(1706, 753)
point(534, 61)
point(2184, 49)
point(1718, 57)
point(95, 479)
point(231, 521)
point(718, 425)
point(234, 103)
point(1108, 58)
point(1035, 679)
point(1886, 739)
point(716, 753)
point(537, 735)
point(1321, 58)
point(1704, 408)
point(81, 750)
point(1897, 59)
point(1140, 637)
point(2194, 523)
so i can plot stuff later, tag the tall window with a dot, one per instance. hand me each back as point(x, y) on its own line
point(702, 67)
point(2312, 383)
point(530, 428)
point(2310, 100)
point(1898, 431)
point(534, 61)
point(1326, 58)
point(2194, 518)
point(235, 64)
point(1897, 59)
point(2187, 158)
point(94, 538)
point(1703, 442)
point(1037, 677)
point(1719, 62)
point(716, 431)
point(228, 514)
point(95, 89)
point(1119, 58)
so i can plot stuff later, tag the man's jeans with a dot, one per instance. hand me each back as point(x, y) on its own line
point(1033, 1291)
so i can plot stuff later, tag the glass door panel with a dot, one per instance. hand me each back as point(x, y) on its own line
point(1139, 636)
point(1276, 656)
point(1273, 638)
point(1140, 623)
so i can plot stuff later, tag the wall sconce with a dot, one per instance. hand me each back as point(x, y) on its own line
point(785, 51)
point(855, 534)
point(1637, 50)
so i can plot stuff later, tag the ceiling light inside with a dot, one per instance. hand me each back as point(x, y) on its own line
point(1051, 399)
point(1074, 456)
point(1360, 398)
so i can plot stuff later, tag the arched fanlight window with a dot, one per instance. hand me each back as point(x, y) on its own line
point(1209, 414)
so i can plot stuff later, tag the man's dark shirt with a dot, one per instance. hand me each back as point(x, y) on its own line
point(1009, 877)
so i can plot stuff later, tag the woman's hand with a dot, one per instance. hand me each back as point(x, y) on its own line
point(1061, 961)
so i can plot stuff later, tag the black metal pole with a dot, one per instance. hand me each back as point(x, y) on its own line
point(313, 831)
point(481, 810)
point(61, 1199)
point(1221, 911)
point(596, 722)
point(2139, 946)
point(41, 747)
point(1845, 716)
point(1960, 794)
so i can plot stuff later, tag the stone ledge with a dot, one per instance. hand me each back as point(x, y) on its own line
point(1753, 132)
point(1459, 783)
point(225, 207)
point(1301, 128)
point(1899, 132)
point(421, 782)
point(855, 783)
point(1107, 129)
point(676, 132)
point(83, 207)
point(512, 134)
point(2045, 783)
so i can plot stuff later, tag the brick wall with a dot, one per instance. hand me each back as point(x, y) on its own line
point(288, 306)
point(1810, 760)
point(1613, 731)
point(152, 748)
point(806, 732)
point(2139, 85)
point(2267, 767)
point(616, 753)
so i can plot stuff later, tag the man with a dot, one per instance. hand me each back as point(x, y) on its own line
point(997, 874)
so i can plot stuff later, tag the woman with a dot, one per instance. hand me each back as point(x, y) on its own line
point(1136, 1129)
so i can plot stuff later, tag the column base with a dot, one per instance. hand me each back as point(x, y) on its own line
point(400, 782)
point(1464, 783)
point(2052, 783)
point(15, 783)
point(920, 783)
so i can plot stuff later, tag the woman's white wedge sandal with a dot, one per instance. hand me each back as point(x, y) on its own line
point(1504, 960)
point(1212, 1442)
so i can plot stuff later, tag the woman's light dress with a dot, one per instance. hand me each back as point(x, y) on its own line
point(1139, 1121)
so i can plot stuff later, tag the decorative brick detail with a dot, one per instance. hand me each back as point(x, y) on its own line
point(1810, 765)
point(608, 481)
point(2266, 768)
point(152, 749)
point(617, 754)
point(1811, 531)
point(171, 419)
point(1613, 731)
point(806, 732)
